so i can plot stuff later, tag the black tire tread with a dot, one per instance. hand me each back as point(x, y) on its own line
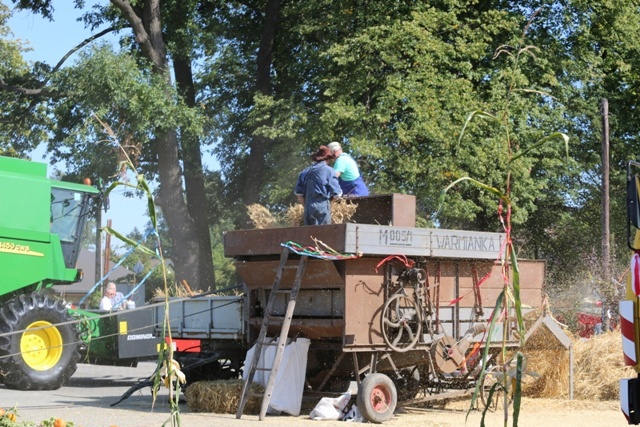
point(15, 316)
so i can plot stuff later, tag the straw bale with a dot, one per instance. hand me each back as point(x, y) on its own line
point(221, 397)
point(261, 217)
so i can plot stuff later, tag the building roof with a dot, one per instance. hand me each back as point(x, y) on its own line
point(87, 263)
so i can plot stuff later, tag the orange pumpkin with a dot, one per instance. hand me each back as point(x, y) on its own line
point(59, 422)
point(11, 416)
point(2, 411)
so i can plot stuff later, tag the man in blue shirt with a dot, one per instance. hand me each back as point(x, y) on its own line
point(316, 186)
point(346, 168)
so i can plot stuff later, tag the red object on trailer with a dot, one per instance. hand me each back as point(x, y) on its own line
point(185, 346)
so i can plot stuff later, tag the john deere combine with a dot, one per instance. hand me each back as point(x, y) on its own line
point(41, 222)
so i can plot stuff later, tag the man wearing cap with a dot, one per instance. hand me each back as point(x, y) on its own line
point(316, 186)
point(348, 174)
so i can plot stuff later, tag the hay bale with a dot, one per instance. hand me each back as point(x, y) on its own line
point(222, 397)
point(261, 217)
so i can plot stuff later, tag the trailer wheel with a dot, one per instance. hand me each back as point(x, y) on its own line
point(377, 398)
point(37, 351)
point(401, 323)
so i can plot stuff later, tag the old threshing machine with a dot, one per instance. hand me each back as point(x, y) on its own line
point(399, 309)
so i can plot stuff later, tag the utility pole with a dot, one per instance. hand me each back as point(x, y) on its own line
point(98, 261)
point(606, 249)
point(107, 251)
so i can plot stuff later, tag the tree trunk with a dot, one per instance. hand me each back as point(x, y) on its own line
point(257, 146)
point(182, 231)
point(193, 176)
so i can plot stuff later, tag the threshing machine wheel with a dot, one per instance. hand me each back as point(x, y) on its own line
point(37, 350)
point(492, 391)
point(401, 323)
point(377, 398)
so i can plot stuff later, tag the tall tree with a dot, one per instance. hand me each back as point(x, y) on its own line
point(145, 20)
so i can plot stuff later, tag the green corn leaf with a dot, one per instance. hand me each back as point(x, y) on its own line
point(516, 293)
point(554, 136)
point(476, 113)
point(129, 241)
point(517, 395)
point(486, 187)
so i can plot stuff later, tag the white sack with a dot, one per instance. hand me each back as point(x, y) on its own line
point(330, 408)
point(289, 385)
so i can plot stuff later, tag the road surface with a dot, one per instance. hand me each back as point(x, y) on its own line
point(87, 399)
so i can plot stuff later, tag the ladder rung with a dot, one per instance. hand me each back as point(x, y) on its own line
point(283, 291)
point(256, 394)
point(263, 369)
point(290, 267)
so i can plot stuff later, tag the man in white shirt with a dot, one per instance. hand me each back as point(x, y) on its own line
point(112, 299)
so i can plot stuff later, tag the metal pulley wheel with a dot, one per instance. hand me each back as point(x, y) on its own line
point(401, 323)
point(446, 355)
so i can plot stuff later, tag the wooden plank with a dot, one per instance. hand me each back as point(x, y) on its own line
point(318, 274)
point(242, 243)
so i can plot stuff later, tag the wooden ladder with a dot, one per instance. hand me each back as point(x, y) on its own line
point(282, 339)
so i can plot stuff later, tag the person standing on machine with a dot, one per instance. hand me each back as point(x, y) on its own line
point(348, 173)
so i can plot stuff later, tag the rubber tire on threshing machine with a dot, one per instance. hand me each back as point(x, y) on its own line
point(377, 398)
point(43, 353)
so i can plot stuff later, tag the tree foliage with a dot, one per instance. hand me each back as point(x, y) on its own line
point(263, 83)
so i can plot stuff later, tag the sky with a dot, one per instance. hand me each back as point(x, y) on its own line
point(50, 41)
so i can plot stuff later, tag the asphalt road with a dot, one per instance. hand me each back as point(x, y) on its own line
point(86, 401)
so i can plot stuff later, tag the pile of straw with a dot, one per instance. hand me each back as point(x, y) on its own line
point(182, 290)
point(261, 217)
point(597, 367)
point(294, 216)
point(221, 397)
point(341, 211)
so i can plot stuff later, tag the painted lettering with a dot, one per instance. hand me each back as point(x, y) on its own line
point(469, 243)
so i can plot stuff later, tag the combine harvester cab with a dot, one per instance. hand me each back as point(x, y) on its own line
point(41, 224)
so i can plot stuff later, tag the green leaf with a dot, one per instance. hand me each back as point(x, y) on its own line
point(554, 136)
point(130, 242)
point(476, 113)
point(475, 182)
point(516, 293)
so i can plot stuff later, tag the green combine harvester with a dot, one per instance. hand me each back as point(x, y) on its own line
point(41, 339)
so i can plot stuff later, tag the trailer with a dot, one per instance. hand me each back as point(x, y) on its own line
point(401, 310)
